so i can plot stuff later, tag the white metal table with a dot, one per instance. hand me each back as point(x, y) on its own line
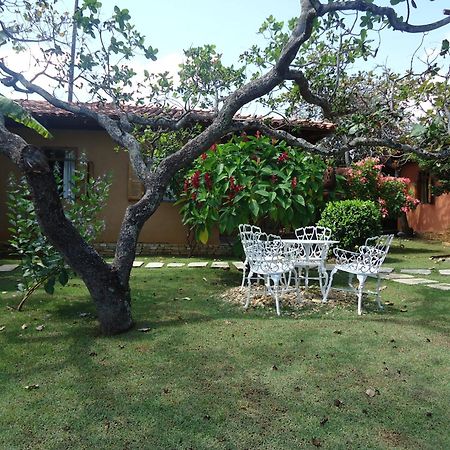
point(312, 254)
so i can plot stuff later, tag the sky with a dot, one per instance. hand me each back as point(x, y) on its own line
point(232, 25)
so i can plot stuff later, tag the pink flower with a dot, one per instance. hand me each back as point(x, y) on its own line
point(294, 182)
point(213, 147)
point(203, 156)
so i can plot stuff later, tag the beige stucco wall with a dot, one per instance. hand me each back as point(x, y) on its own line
point(163, 227)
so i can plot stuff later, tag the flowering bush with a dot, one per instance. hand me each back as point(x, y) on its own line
point(252, 180)
point(364, 181)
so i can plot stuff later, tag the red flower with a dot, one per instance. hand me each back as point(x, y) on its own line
point(232, 183)
point(195, 179)
point(213, 147)
point(294, 182)
point(186, 185)
point(208, 181)
point(203, 156)
point(273, 179)
point(194, 196)
point(283, 157)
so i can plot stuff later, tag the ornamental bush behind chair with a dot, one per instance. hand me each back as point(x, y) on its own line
point(364, 263)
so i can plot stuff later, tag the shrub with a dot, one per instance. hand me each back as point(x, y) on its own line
point(351, 221)
point(252, 180)
point(364, 181)
point(41, 263)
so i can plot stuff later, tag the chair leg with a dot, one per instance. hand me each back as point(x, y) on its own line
point(362, 280)
point(350, 281)
point(330, 282)
point(243, 273)
point(323, 279)
point(380, 306)
point(306, 277)
point(249, 284)
point(276, 284)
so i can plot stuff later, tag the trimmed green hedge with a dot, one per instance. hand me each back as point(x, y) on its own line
point(351, 221)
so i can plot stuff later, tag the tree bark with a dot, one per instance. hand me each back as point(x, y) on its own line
point(110, 292)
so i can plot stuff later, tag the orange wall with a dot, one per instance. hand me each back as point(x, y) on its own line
point(163, 227)
point(428, 218)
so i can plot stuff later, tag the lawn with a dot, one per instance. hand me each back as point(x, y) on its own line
point(208, 375)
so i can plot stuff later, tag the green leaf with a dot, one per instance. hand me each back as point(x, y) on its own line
point(254, 207)
point(15, 112)
point(203, 236)
point(50, 285)
point(63, 277)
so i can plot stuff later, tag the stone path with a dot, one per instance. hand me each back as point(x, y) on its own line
point(8, 267)
point(405, 276)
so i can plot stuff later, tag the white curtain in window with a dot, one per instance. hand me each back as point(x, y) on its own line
point(68, 172)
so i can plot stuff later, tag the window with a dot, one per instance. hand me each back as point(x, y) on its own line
point(63, 161)
point(136, 188)
point(425, 187)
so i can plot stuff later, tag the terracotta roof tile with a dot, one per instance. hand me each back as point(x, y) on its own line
point(44, 109)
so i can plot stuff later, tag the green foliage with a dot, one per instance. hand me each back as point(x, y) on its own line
point(252, 180)
point(14, 111)
point(40, 261)
point(364, 181)
point(351, 221)
point(204, 80)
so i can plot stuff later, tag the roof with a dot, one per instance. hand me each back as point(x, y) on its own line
point(53, 117)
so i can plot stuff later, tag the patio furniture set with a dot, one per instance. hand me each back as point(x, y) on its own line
point(287, 264)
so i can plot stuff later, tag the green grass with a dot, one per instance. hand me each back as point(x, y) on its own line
point(210, 376)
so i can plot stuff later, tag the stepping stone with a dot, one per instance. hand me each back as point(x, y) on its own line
point(396, 276)
point(416, 271)
point(8, 267)
point(197, 264)
point(386, 270)
point(441, 286)
point(137, 263)
point(444, 271)
point(220, 265)
point(154, 265)
point(238, 264)
point(413, 281)
point(176, 264)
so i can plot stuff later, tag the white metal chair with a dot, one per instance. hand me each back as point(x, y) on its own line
point(315, 255)
point(270, 259)
point(248, 234)
point(364, 263)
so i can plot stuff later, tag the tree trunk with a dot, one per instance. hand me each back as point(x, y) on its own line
point(112, 300)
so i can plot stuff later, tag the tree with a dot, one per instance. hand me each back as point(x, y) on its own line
point(107, 73)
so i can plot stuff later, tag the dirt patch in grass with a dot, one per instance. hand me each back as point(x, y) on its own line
point(310, 298)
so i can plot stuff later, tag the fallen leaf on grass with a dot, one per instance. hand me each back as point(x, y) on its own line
point(429, 414)
point(403, 310)
point(338, 403)
point(204, 279)
point(389, 303)
point(144, 329)
point(84, 314)
point(24, 326)
point(337, 332)
point(324, 421)
point(316, 442)
point(274, 367)
point(2, 328)
point(40, 327)
point(371, 392)
point(186, 298)
point(30, 387)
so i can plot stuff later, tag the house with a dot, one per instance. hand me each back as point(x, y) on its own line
point(431, 218)
point(76, 135)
